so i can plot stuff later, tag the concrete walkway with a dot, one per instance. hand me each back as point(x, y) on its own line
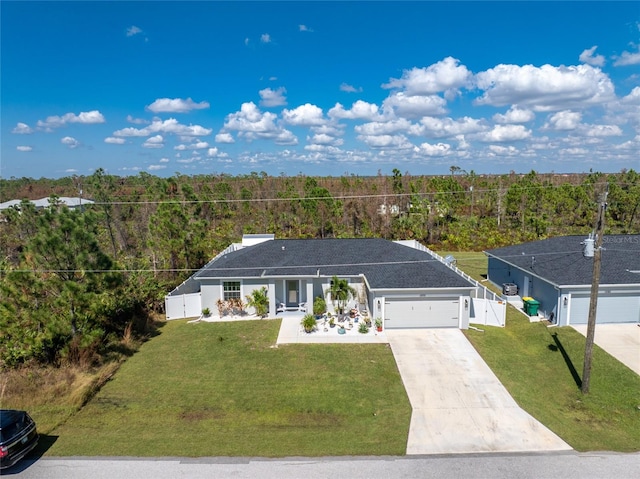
point(622, 341)
point(459, 405)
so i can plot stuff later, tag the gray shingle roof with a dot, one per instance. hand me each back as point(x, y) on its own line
point(384, 263)
point(560, 260)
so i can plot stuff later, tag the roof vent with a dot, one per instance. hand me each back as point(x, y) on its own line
point(450, 260)
point(283, 248)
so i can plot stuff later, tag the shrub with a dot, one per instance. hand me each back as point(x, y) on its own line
point(308, 323)
point(319, 306)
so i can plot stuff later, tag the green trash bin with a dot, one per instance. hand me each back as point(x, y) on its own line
point(531, 307)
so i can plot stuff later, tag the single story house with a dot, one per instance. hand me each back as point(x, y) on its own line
point(401, 282)
point(557, 273)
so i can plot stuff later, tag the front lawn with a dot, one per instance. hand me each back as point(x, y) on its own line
point(223, 389)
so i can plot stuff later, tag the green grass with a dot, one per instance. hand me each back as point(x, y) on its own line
point(541, 367)
point(222, 389)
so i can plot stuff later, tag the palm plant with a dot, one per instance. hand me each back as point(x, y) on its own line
point(259, 300)
point(340, 292)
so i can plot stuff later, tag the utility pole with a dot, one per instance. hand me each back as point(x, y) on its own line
point(593, 303)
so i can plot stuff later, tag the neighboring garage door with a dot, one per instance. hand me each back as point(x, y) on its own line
point(622, 308)
point(421, 313)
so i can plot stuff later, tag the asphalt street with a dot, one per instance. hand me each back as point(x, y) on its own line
point(566, 465)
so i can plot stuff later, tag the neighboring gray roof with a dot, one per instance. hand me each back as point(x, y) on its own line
point(188, 287)
point(384, 263)
point(71, 202)
point(561, 262)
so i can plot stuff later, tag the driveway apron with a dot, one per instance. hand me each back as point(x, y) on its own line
point(622, 341)
point(459, 405)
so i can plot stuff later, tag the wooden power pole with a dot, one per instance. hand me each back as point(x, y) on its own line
point(593, 302)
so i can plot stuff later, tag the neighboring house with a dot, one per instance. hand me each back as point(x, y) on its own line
point(70, 202)
point(556, 273)
point(402, 283)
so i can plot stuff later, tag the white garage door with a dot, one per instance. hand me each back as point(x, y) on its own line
point(618, 308)
point(421, 313)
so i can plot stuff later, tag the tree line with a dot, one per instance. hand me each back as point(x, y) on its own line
point(74, 281)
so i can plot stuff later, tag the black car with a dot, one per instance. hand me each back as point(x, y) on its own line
point(18, 436)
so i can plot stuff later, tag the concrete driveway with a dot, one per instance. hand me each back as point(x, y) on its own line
point(459, 405)
point(622, 341)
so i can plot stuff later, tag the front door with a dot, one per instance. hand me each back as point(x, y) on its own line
point(293, 293)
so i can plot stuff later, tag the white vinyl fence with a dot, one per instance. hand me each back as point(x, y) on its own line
point(488, 312)
point(183, 306)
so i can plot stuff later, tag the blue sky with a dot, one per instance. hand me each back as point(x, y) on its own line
point(319, 88)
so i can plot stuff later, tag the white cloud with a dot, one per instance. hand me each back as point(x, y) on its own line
point(169, 126)
point(514, 115)
point(443, 127)
point(360, 110)
point(324, 139)
point(22, 129)
point(575, 151)
point(246, 42)
point(285, 137)
point(224, 138)
point(133, 30)
point(499, 150)
point(588, 56)
point(332, 129)
point(502, 133)
point(156, 167)
point(628, 58)
point(304, 115)
point(176, 105)
point(443, 76)
point(164, 160)
point(603, 130)
point(439, 149)
point(136, 121)
point(564, 120)
point(24, 148)
point(269, 97)
point(383, 127)
point(70, 142)
point(414, 106)
point(154, 142)
point(544, 88)
point(265, 38)
point(85, 117)
point(200, 145)
point(633, 97)
point(304, 28)
point(386, 141)
point(115, 141)
point(350, 88)
point(251, 124)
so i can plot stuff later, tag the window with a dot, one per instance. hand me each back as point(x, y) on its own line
point(230, 290)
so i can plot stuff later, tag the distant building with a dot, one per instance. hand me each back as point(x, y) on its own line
point(70, 202)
